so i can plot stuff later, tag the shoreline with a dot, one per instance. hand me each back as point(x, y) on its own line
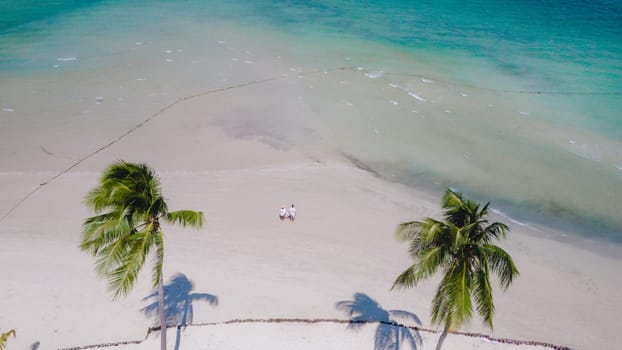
point(574, 236)
point(287, 257)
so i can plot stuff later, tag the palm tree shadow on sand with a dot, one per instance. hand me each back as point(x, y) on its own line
point(389, 335)
point(178, 304)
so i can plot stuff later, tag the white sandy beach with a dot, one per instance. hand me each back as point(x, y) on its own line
point(240, 174)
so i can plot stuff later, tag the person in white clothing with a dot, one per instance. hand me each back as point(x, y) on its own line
point(282, 213)
point(292, 213)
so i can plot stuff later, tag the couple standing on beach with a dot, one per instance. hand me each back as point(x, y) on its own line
point(291, 214)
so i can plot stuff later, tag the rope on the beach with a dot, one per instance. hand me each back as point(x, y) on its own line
point(153, 116)
point(328, 320)
point(280, 77)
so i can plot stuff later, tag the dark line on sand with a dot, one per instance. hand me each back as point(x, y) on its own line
point(153, 116)
point(328, 320)
point(362, 165)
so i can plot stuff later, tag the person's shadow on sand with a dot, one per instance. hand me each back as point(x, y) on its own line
point(389, 334)
point(178, 304)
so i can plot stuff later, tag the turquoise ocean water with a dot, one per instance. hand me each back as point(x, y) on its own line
point(554, 65)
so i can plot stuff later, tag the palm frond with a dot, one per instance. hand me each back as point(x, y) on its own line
point(101, 230)
point(97, 199)
point(496, 230)
point(460, 294)
point(406, 279)
point(122, 279)
point(502, 264)
point(457, 237)
point(158, 207)
point(459, 210)
point(451, 304)
point(111, 256)
point(433, 232)
point(429, 261)
point(452, 200)
point(186, 218)
point(484, 211)
point(4, 337)
point(482, 291)
point(408, 230)
point(125, 184)
point(441, 304)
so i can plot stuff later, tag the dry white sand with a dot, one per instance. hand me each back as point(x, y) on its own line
point(258, 267)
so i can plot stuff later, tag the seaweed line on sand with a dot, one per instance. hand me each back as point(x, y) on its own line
point(328, 320)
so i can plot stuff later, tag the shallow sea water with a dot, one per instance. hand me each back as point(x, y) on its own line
point(432, 94)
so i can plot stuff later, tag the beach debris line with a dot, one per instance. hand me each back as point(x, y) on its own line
point(326, 320)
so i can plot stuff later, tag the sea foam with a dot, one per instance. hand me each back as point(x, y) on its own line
point(375, 74)
point(416, 96)
point(506, 216)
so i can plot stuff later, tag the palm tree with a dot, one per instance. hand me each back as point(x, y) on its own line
point(462, 247)
point(4, 337)
point(129, 206)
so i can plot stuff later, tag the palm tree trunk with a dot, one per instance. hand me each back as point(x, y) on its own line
point(162, 312)
point(441, 339)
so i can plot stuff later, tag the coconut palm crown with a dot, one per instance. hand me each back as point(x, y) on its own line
point(123, 236)
point(461, 246)
point(129, 205)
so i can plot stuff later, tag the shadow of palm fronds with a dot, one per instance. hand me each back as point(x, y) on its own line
point(389, 334)
point(178, 302)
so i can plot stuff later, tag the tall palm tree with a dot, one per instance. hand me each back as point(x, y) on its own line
point(129, 206)
point(462, 247)
point(4, 337)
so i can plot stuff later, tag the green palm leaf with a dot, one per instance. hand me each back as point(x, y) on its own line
point(482, 292)
point(406, 279)
point(123, 277)
point(186, 218)
point(502, 264)
point(4, 338)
